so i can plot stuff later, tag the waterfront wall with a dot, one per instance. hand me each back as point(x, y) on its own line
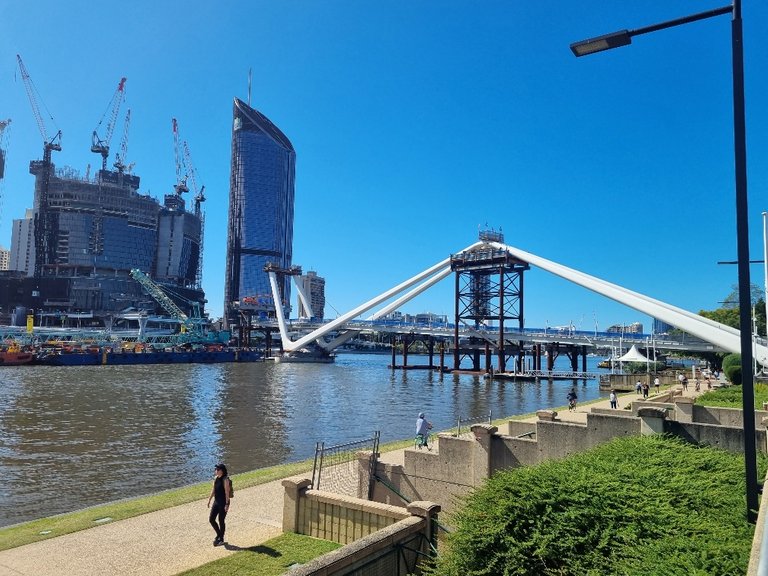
point(379, 538)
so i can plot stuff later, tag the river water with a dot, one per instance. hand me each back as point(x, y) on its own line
point(73, 437)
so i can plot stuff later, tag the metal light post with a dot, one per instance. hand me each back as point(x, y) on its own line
point(624, 38)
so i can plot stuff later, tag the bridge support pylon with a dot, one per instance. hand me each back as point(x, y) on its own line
point(488, 290)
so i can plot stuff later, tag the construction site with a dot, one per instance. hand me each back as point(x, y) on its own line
point(72, 253)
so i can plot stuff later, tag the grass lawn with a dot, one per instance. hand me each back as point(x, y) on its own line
point(271, 558)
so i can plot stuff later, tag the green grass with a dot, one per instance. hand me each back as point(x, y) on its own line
point(271, 558)
point(730, 397)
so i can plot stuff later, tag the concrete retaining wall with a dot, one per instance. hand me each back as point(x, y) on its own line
point(460, 464)
point(380, 538)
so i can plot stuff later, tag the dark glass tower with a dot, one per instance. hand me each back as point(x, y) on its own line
point(260, 230)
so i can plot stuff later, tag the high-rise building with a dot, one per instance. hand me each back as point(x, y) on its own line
point(314, 288)
point(5, 258)
point(260, 228)
point(23, 243)
point(101, 229)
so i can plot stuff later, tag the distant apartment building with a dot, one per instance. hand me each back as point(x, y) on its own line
point(260, 221)
point(661, 327)
point(634, 328)
point(22, 256)
point(314, 288)
point(5, 258)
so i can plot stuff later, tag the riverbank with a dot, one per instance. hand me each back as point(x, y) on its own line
point(166, 542)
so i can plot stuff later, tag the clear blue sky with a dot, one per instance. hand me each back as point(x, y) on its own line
point(416, 123)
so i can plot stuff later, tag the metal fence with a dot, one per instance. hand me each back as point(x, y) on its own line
point(336, 468)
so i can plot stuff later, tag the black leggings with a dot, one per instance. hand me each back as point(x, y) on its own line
point(218, 510)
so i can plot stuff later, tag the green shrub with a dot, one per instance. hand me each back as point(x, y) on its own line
point(634, 506)
point(733, 373)
point(730, 397)
point(731, 360)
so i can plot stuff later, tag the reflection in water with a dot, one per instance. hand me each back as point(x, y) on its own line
point(72, 437)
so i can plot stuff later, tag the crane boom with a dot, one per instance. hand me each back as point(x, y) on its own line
point(181, 181)
point(53, 143)
point(199, 199)
point(98, 145)
point(121, 156)
point(162, 298)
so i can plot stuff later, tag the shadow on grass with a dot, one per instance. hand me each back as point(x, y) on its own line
point(266, 550)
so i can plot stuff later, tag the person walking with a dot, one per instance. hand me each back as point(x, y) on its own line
point(638, 388)
point(646, 388)
point(422, 430)
point(614, 400)
point(572, 399)
point(221, 493)
point(657, 383)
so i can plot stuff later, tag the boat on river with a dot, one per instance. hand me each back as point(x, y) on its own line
point(304, 356)
point(15, 356)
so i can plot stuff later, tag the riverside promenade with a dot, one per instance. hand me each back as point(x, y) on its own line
point(172, 540)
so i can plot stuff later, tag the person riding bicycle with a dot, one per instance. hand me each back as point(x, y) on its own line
point(422, 429)
point(572, 398)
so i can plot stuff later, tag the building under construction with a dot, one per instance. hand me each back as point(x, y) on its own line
point(97, 231)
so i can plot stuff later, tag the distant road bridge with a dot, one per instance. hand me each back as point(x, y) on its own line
point(594, 340)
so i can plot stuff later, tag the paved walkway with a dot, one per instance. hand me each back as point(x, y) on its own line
point(169, 541)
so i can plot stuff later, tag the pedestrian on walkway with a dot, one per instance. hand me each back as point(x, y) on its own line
point(697, 384)
point(638, 388)
point(614, 400)
point(646, 387)
point(572, 399)
point(657, 383)
point(423, 426)
point(221, 492)
point(685, 383)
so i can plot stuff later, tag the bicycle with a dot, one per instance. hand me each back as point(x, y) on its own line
point(423, 441)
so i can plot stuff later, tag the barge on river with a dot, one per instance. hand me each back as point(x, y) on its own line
point(106, 357)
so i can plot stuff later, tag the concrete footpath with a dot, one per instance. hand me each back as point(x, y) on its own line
point(169, 541)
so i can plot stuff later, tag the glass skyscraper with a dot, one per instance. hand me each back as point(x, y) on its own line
point(260, 228)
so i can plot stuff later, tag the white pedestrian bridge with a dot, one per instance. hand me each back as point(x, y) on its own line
point(711, 334)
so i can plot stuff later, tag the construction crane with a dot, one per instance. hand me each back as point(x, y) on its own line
point(98, 145)
point(3, 125)
point(45, 245)
point(181, 180)
point(121, 156)
point(199, 199)
point(154, 290)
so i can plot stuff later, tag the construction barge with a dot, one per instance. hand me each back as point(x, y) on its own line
point(106, 356)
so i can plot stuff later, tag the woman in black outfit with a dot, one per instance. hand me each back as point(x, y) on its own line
point(220, 495)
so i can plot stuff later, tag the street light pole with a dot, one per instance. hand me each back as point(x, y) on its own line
point(624, 38)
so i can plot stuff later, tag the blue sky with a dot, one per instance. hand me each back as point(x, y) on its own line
point(417, 123)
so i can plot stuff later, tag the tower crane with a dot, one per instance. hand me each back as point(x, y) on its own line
point(199, 199)
point(121, 156)
point(181, 181)
point(98, 145)
point(45, 246)
point(3, 126)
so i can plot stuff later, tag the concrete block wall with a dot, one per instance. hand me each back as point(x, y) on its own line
point(730, 438)
point(334, 517)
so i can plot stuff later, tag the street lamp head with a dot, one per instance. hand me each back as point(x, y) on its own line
point(605, 42)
